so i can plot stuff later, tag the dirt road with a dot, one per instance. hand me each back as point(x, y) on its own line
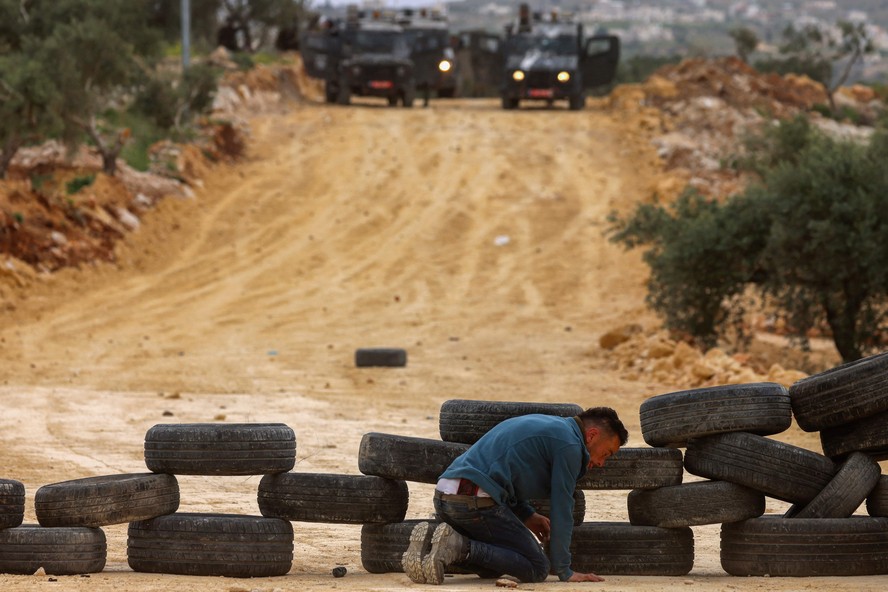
point(470, 236)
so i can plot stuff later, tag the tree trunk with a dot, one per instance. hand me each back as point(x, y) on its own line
point(10, 147)
point(842, 320)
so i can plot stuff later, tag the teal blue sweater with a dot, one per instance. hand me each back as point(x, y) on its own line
point(531, 457)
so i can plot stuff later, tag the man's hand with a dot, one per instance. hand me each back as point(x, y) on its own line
point(584, 577)
point(539, 525)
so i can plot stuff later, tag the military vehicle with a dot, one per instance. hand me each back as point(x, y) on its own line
point(433, 55)
point(549, 58)
point(364, 55)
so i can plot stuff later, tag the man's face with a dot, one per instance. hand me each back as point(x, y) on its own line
point(601, 445)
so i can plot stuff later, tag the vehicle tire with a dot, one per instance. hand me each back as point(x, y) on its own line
point(465, 421)
point(331, 91)
point(59, 551)
point(841, 395)
point(383, 546)
point(408, 98)
point(637, 468)
point(383, 357)
point(773, 546)
point(106, 500)
point(694, 504)
point(343, 95)
point(341, 499)
point(672, 419)
point(778, 470)
point(420, 460)
point(619, 548)
point(544, 507)
point(510, 103)
point(211, 545)
point(576, 102)
point(869, 435)
point(220, 449)
point(446, 93)
point(854, 480)
point(877, 500)
point(12, 503)
point(392, 101)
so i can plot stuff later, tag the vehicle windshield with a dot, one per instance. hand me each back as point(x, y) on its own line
point(422, 40)
point(556, 44)
point(389, 42)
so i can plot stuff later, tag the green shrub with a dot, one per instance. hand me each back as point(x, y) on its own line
point(810, 236)
point(78, 183)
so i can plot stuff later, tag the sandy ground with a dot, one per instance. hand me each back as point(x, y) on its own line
point(470, 236)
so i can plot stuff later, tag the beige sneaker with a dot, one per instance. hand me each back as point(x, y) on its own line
point(447, 548)
point(420, 543)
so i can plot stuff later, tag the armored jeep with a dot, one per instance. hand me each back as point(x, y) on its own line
point(549, 58)
point(434, 58)
point(362, 55)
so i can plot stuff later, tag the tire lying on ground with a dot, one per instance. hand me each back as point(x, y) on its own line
point(619, 548)
point(869, 435)
point(419, 460)
point(463, 420)
point(854, 480)
point(106, 500)
point(386, 357)
point(220, 449)
point(877, 500)
point(778, 470)
point(672, 419)
point(383, 545)
point(636, 468)
point(12, 503)
point(211, 545)
point(344, 499)
point(842, 394)
point(59, 551)
point(694, 504)
point(774, 546)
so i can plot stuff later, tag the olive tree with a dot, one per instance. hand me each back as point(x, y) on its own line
point(809, 234)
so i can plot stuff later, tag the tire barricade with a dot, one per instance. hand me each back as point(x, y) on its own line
point(724, 429)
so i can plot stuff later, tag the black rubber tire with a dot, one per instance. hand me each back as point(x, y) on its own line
point(12, 503)
point(636, 468)
point(220, 449)
point(106, 500)
point(869, 435)
point(419, 460)
point(576, 102)
point(211, 545)
point(774, 546)
point(59, 551)
point(463, 420)
point(877, 500)
point(854, 480)
point(778, 470)
point(383, 545)
point(383, 357)
point(672, 419)
point(619, 548)
point(544, 507)
point(694, 504)
point(509, 103)
point(841, 395)
point(340, 499)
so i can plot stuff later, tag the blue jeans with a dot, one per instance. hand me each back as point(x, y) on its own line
point(501, 544)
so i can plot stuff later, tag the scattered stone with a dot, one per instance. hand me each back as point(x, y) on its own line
point(506, 583)
point(339, 572)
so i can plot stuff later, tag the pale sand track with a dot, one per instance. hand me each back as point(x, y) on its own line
point(348, 227)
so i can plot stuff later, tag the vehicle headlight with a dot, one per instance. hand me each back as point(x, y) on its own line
point(445, 65)
point(563, 76)
point(400, 71)
point(517, 75)
point(356, 70)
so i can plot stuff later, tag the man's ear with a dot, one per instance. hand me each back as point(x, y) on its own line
point(592, 432)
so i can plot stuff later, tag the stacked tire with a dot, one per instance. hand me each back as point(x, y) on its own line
point(725, 430)
point(629, 550)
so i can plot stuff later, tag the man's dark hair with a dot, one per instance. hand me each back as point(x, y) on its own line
point(605, 417)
